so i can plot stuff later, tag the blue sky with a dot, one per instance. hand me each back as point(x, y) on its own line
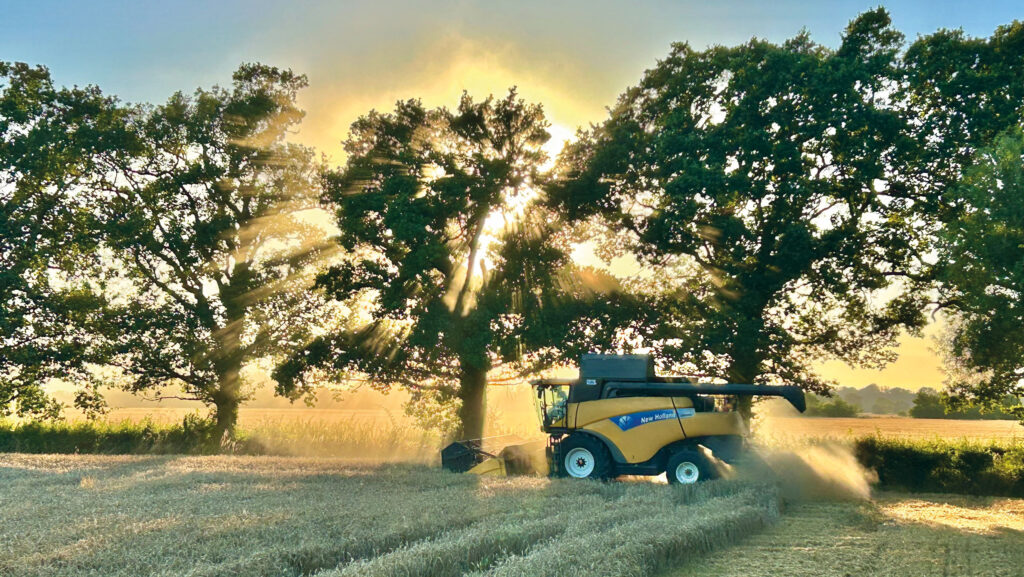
point(574, 57)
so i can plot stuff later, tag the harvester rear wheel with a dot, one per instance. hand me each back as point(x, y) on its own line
point(687, 467)
point(584, 457)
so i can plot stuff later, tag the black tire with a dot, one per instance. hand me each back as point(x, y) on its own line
point(687, 467)
point(583, 456)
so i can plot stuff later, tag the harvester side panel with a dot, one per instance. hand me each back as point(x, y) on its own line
point(637, 446)
point(712, 424)
point(592, 411)
point(636, 427)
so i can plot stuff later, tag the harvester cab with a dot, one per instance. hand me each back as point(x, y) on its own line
point(620, 418)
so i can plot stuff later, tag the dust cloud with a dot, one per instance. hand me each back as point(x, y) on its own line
point(819, 471)
point(807, 468)
point(512, 410)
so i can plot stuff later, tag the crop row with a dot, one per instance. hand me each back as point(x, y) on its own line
point(231, 515)
point(645, 530)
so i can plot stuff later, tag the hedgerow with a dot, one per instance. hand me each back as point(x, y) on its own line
point(194, 436)
point(943, 466)
point(197, 436)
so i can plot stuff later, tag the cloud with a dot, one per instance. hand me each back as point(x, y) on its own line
point(437, 70)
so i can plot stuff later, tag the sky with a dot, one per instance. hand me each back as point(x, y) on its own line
point(574, 57)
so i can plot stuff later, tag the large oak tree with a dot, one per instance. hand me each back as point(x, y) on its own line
point(203, 218)
point(460, 270)
point(762, 181)
point(965, 98)
point(50, 140)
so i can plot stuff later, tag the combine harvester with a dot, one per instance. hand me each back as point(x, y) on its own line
point(620, 418)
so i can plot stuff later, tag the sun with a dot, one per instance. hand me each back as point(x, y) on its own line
point(499, 220)
point(560, 136)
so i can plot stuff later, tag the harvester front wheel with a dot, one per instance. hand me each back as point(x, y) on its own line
point(584, 457)
point(688, 467)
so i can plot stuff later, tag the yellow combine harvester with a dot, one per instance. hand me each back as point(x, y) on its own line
point(620, 418)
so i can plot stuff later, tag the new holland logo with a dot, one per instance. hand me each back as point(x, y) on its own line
point(627, 422)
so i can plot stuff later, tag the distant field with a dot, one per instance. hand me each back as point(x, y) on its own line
point(250, 417)
point(204, 516)
point(257, 418)
point(890, 427)
point(383, 433)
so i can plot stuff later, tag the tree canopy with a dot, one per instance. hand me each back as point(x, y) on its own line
point(459, 266)
point(50, 139)
point(787, 204)
point(959, 93)
point(982, 253)
point(762, 179)
point(964, 97)
point(203, 219)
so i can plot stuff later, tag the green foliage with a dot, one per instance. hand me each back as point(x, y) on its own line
point(759, 180)
point(966, 97)
point(929, 404)
point(163, 241)
point(961, 93)
point(835, 407)
point(983, 251)
point(945, 466)
point(446, 292)
point(50, 142)
point(211, 256)
point(194, 436)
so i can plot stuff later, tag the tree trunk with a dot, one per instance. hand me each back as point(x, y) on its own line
point(227, 399)
point(745, 407)
point(745, 368)
point(473, 393)
point(229, 356)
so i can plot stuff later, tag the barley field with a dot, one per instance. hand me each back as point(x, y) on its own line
point(364, 497)
point(345, 432)
point(888, 426)
point(893, 535)
point(229, 515)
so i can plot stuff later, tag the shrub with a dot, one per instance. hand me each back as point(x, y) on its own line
point(945, 466)
point(194, 436)
point(836, 407)
point(930, 404)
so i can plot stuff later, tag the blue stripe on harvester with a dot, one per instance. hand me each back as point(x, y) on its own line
point(627, 422)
